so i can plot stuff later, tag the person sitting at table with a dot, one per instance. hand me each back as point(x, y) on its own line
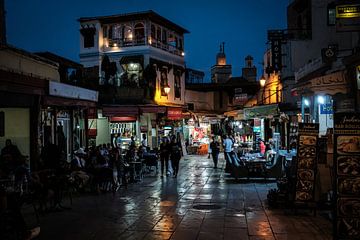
point(10, 158)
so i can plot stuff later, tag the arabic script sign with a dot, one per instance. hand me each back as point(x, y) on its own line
point(336, 78)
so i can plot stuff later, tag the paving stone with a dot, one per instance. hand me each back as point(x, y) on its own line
point(157, 209)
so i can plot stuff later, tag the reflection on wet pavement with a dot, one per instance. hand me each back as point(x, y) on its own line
point(163, 208)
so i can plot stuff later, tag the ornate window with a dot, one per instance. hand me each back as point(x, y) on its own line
point(158, 34)
point(163, 80)
point(152, 34)
point(127, 34)
point(164, 36)
point(139, 30)
point(116, 32)
point(88, 35)
point(177, 84)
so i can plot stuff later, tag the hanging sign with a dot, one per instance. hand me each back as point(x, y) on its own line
point(347, 175)
point(306, 163)
point(326, 109)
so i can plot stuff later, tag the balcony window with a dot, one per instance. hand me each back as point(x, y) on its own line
point(88, 35)
point(163, 80)
point(158, 34)
point(181, 45)
point(164, 37)
point(139, 31)
point(172, 40)
point(177, 84)
point(116, 33)
point(152, 34)
point(105, 31)
point(127, 34)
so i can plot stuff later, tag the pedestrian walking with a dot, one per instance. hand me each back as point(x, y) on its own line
point(164, 156)
point(227, 143)
point(175, 154)
point(215, 150)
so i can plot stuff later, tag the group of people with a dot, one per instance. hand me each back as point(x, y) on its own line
point(170, 150)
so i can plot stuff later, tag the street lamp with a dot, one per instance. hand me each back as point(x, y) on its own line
point(262, 81)
point(167, 89)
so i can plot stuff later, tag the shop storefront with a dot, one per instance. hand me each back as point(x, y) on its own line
point(265, 124)
point(64, 117)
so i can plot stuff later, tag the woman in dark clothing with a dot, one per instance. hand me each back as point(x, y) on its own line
point(175, 154)
point(164, 155)
point(215, 149)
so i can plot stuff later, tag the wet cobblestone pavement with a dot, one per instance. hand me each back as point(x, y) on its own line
point(163, 208)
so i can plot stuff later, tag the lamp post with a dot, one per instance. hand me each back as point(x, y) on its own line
point(262, 85)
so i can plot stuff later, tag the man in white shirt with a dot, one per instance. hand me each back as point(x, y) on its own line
point(228, 144)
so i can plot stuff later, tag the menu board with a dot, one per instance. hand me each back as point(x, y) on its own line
point(347, 175)
point(306, 162)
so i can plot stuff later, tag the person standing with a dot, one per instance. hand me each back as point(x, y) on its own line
point(10, 157)
point(227, 143)
point(175, 154)
point(215, 150)
point(164, 156)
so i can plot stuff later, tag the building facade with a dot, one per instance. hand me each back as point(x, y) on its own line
point(137, 63)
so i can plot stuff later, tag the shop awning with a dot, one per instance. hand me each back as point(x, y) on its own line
point(120, 111)
point(236, 114)
point(123, 119)
point(152, 109)
point(261, 111)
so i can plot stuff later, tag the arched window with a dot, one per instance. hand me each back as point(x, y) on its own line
point(117, 32)
point(127, 34)
point(164, 37)
point(181, 45)
point(139, 30)
point(153, 31)
point(158, 34)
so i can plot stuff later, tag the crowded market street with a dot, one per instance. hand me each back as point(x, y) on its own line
point(170, 208)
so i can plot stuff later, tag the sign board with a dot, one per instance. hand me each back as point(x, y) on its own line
point(240, 98)
point(238, 90)
point(347, 176)
point(326, 109)
point(174, 113)
point(348, 11)
point(306, 163)
point(276, 37)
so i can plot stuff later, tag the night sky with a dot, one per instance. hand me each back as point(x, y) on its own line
point(45, 25)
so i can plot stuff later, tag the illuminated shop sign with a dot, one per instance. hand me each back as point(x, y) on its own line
point(348, 11)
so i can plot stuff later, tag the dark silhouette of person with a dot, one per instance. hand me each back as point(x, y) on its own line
point(50, 155)
point(215, 150)
point(175, 154)
point(164, 156)
point(10, 157)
